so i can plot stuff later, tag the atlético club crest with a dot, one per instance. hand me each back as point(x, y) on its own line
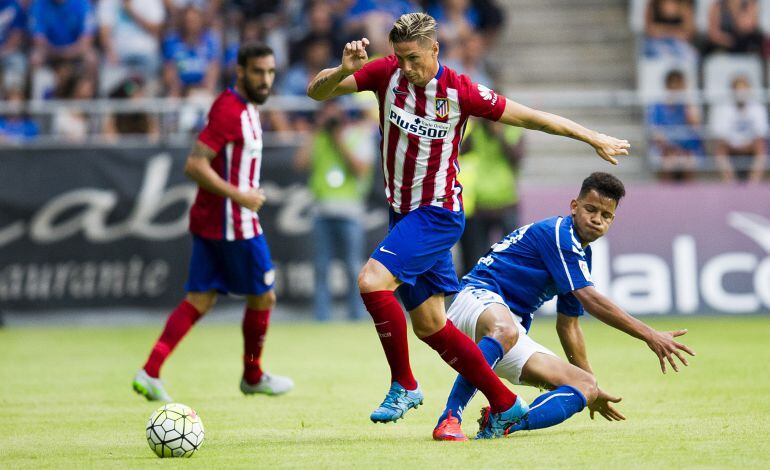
point(442, 107)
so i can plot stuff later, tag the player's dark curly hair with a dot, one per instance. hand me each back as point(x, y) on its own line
point(605, 184)
point(252, 49)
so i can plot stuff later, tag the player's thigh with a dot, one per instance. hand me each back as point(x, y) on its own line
point(547, 371)
point(511, 367)
point(469, 305)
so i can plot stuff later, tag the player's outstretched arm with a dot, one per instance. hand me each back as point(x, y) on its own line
point(662, 343)
point(573, 343)
point(198, 168)
point(607, 147)
point(339, 80)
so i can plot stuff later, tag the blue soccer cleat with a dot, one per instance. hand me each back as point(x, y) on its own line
point(494, 425)
point(397, 402)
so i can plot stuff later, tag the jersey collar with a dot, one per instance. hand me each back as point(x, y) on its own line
point(238, 95)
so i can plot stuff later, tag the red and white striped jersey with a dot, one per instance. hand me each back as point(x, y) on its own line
point(421, 131)
point(234, 132)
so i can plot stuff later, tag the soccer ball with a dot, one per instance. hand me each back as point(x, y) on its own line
point(174, 430)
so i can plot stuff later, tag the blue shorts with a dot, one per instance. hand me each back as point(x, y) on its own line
point(417, 250)
point(241, 267)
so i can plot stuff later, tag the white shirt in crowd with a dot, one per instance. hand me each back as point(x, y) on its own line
point(739, 127)
point(129, 38)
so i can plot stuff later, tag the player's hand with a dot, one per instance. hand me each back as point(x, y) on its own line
point(603, 406)
point(354, 56)
point(609, 147)
point(665, 347)
point(252, 199)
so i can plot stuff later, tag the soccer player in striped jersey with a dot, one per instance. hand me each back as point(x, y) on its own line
point(424, 106)
point(539, 261)
point(230, 254)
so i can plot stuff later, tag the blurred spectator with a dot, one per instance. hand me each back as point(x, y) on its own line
point(734, 26)
point(73, 123)
point(491, 19)
point(669, 28)
point(490, 158)
point(374, 20)
point(458, 19)
point(740, 128)
point(318, 21)
point(674, 127)
point(13, 63)
point(129, 31)
point(317, 55)
point(132, 123)
point(340, 155)
point(192, 56)
point(16, 126)
point(470, 59)
point(63, 30)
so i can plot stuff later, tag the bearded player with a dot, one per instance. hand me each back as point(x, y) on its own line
point(230, 253)
point(423, 110)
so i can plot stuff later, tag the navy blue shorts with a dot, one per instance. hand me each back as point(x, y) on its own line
point(241, 267)
point(417, 250)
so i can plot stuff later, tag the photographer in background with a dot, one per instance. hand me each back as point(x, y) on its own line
point(339, 156)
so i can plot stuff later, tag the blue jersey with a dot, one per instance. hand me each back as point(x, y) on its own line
point(532, 265)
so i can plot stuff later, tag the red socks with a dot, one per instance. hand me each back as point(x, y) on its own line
point(390, 323)
point(178, 324)
point(254, 327)
point(460, 352)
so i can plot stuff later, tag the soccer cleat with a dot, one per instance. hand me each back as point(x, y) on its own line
point(397, 402)
point(150, 387)
point(449, 430)
point(494, 425)
point(268, 384)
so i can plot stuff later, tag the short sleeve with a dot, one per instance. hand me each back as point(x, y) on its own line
point(220, 128)
point(760, 121)
point(372, 75)
point(564, 257)
point(479, 100)
point(719, 122)
point(105, 13)
point(167, 47)
point(89, 19)
point(569, 305)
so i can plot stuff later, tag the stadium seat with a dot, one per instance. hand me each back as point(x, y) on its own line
point(652, 72)
point(720, 69)
point(702, 15)
point(636, 16)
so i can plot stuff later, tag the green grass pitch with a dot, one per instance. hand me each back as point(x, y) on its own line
point(66, 401)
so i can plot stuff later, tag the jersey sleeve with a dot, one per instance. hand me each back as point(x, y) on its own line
point(372, 75)
point(564, 258)
point(220, 128)
point(481, 101)
point(568, 304)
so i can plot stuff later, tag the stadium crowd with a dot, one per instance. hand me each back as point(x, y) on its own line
point(133, 49)
point(719, 47)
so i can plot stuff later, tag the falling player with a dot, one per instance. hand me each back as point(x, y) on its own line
point(529, 266)
point(423, 110)
point(230, 254)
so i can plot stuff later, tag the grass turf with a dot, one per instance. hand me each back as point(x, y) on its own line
point(66, 401)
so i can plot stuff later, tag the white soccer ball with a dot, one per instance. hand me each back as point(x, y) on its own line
point(174, 430)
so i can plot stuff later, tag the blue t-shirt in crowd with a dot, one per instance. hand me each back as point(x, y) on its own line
point(12, 17)
point(532, 265)
point(62, 22)
point(670, 120)
point(191, 61)
point(18, 130)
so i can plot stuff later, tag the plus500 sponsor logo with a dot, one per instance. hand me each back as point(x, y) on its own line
point(417, 125)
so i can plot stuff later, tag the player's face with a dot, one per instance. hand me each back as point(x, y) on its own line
point(593, 214)
point(257, 78)
point(418, 60)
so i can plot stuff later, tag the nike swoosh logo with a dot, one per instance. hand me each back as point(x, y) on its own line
point(382, 249)
point(382, 323)
point(399, 92)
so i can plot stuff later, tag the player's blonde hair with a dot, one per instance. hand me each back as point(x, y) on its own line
point(418, 27)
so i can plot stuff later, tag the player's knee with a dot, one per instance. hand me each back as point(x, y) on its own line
point(589, 387)
point(203, 302)
point(507, 335)
point(369, 280)
point(264, 301)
